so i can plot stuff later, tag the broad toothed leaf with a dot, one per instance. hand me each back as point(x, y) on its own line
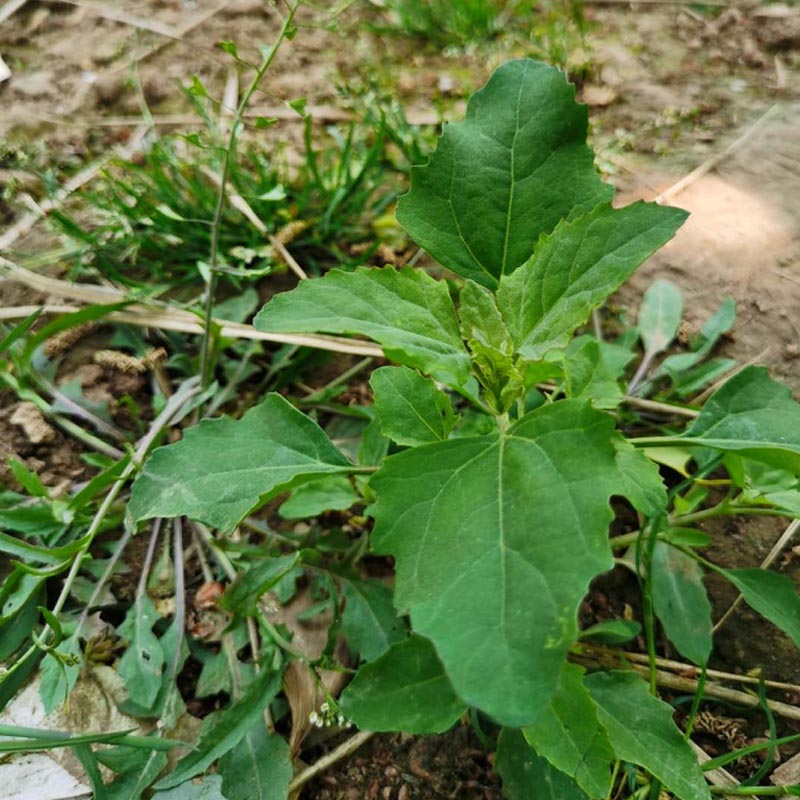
point(224, 468)
point(496, 538)
point(575, 268)
point(509, 172)
point(406, 311)
point(569, 735)
point(642, 731)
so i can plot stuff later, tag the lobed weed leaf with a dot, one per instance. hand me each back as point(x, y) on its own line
point(512, 170)
point(223, 468)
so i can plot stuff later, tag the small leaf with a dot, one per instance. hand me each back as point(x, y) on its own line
point(574, 269)
point(142, 664)
point(329, 493)
point(209, 787)
point(527, 775)
point(406, 311)
point(774, 596)
point(224, 468)
point(644, 486)
point(243, 594)
point(410, 408)
point(506, 174)
point(590, 376)
point(60, 671)
point(681, 602)
point(613, 631)
point(406, 689)
point(660, 316)
point(754, 416)
point(370, 622)
point(569, 735)
point(227, 730)
point(258, 768)
point(641, 730)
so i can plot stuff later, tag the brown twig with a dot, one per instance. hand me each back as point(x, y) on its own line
point(328, 760)
point(715, 160)
point(118, 15)
point(172, 319)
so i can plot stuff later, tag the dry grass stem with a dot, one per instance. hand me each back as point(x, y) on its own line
point(715, 160)
point(168, 318)
point(118, 15)
point(328, 760)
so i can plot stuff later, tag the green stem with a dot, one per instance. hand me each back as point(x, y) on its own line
point(206, 365)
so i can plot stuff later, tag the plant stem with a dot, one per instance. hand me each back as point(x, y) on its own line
point(206, 366)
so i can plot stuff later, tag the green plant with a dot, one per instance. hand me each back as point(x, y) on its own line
point(496, 510)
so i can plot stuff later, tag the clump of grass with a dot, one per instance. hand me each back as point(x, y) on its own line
point(148, 221)
point(552, 30)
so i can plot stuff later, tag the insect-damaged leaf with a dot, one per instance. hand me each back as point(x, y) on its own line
point(496, 538)
point(577, 267)
point(509, 172)
point(406, 311)
point(142, 664)
point(223, 468)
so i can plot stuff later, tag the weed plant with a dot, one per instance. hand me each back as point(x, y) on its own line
point(452, 518)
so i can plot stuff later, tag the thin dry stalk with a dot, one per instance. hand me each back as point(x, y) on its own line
point(24, 224)
point(719, 777)
point(328, 760)
point(318, 113)
point(683, 668)
point(165, 317)
point(706, 393)
point(118, 15)
point(715, 160)
point(11, 7)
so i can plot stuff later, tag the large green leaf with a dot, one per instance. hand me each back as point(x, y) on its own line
point(224, 468)
point(577, 267)
point(410, 408)
point(495, 539)
point(569, 735)
point(527, 776)
point(369, 620)
point(753, 415)
point(406, 689)
point(226, 730)
point(774, 596)
point(509, 172)
point(406, 311)
point(681, 602)
point(642, 731)
point(258, 768)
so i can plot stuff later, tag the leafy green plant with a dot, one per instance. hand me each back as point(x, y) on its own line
point(496, 536)
point(486, 469)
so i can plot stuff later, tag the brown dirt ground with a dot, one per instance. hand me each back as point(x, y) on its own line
point(670, 88)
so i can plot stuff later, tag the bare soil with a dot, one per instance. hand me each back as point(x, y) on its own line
point(669, 89)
